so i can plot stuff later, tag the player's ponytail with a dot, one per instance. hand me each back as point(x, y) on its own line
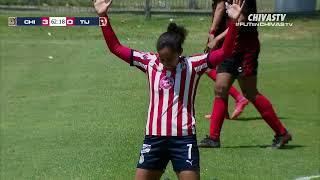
point(173, 38)
point(179, 30)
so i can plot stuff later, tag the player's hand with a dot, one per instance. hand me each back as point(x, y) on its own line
point(213, 42)
point(102, 6)
point(234, 10)
point(210, 39)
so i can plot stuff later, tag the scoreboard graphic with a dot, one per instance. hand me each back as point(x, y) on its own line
point(57, 21)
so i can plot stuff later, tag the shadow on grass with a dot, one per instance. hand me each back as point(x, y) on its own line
point(254, 118)
point(265, 146)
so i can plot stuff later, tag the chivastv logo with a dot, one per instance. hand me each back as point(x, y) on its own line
point(266, 20)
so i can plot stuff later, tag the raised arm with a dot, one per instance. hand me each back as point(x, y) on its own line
point(218, 10)
point(123, 52)
point(215, 57)
point(133, 57)
point(218, 14)
point(113, 43)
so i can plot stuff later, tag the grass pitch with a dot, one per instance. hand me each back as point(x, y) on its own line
point(72, 110)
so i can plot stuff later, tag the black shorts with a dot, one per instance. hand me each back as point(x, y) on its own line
point(241, 64)
point(157, 151)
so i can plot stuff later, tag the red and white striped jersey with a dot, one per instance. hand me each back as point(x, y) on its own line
point(172, 93)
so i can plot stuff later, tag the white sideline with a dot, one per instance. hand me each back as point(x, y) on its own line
point(308, 177)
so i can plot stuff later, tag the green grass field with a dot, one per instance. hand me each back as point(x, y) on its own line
point(81, 114)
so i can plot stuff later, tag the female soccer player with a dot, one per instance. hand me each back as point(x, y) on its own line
point(173, 80)
point(216, 35)
point(243, 65)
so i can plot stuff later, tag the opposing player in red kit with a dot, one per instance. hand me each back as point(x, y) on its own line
point(243, 66)
point(216, 35)
point(170, 133)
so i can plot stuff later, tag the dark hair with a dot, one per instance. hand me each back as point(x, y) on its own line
point(173, 38)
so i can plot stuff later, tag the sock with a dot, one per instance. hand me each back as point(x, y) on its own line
point(235, 93)
point(212, 74)
point(266, 110)
point(220, 107)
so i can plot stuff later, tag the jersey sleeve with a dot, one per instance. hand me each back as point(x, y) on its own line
point(199, 63)
point(141, 59)
point(114, 44)
point(133, 57)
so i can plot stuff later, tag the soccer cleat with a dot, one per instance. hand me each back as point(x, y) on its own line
point(279, 141)
point(207, 142)
point(240, 105)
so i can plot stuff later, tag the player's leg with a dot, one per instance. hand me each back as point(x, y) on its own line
point(153, 158)
point(237, 96)
point(265, 108)
point(226, 72)
point(143, 174)
point(240, 101)
point(248, 83)
point(184, 155)
point(188, 175)
point(220, 108)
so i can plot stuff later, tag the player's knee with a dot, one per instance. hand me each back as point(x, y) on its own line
point(188, 174)
point(221, 90)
